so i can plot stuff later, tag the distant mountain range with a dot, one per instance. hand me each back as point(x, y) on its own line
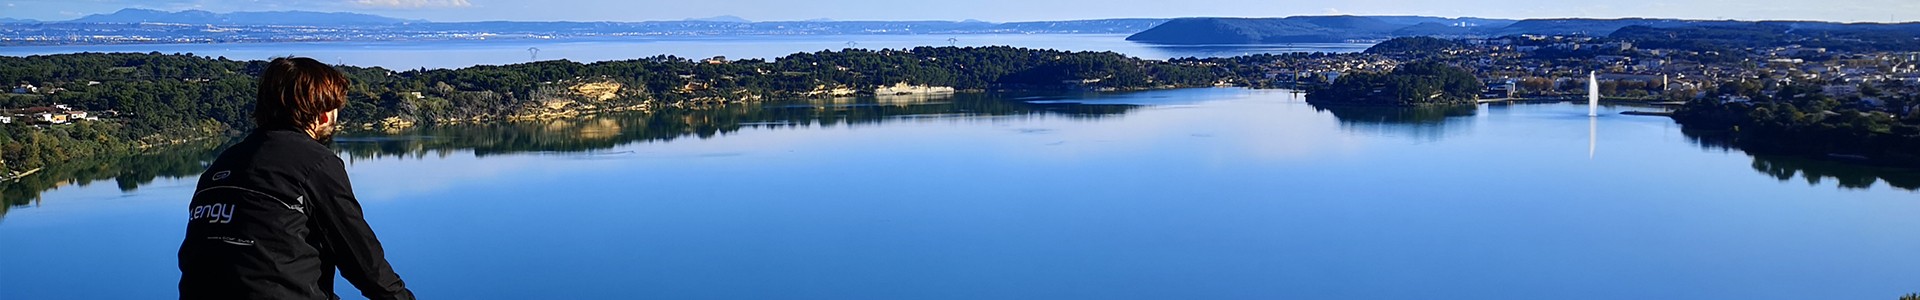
point(1314, 29)
point(710, 27)
point(141, 26)
point(134, 15)
point(727, 18)
point(724, 24)
point(275, 26)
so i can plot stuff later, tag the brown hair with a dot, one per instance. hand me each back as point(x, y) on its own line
point(295, 91)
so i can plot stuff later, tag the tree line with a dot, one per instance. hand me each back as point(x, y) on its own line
point(163, 99)
point(1802, 120)
point(1413, 84)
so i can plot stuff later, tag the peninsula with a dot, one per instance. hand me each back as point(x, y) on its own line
point(91, 104)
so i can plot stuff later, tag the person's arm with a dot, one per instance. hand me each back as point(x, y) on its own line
point(349, 241)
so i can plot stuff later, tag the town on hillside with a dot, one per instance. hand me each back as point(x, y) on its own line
point(1544, 66)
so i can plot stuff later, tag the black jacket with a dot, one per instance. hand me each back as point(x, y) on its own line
point(272, 218)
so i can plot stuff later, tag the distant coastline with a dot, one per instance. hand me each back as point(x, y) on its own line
point(1309, 29)
point(139, 26)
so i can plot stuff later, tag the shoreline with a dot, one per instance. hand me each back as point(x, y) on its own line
point(522, 39)
point(648, 106)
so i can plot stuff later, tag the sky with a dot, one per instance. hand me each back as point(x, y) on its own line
point(1000, 10)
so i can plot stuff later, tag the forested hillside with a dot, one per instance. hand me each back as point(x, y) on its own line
point(156, 99)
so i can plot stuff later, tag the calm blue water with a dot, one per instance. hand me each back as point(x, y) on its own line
point(1180, 194)
point(457, 54)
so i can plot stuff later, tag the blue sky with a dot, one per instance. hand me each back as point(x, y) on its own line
point(1000, 10)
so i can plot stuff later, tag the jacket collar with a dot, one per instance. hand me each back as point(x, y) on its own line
point(284, 134)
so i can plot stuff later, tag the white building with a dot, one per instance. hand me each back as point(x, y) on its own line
point(49, 118)
point(6, 120)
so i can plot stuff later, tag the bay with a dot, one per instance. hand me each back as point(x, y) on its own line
point(407, 55)
point(1212, 193)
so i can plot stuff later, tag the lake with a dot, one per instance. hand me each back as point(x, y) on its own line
point(1209, 193)
point(408, 55)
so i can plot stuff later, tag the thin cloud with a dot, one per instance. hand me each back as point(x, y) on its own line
point(413, 3)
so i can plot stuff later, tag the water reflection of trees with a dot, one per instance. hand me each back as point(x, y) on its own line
point(128, 173)
point(570, 135)
point(611, 130)
point(1425, 123)
point(1813, 170)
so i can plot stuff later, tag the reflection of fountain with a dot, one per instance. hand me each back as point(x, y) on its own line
point(1593, 135)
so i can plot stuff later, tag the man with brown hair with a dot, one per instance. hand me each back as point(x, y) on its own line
point(274, 215)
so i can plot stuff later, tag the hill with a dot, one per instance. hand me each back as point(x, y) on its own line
point(1843, 37)
point(1595, 27)
point(1077, 26)
point(1415, 84)
point(1298, 29)
point(1318, 29)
